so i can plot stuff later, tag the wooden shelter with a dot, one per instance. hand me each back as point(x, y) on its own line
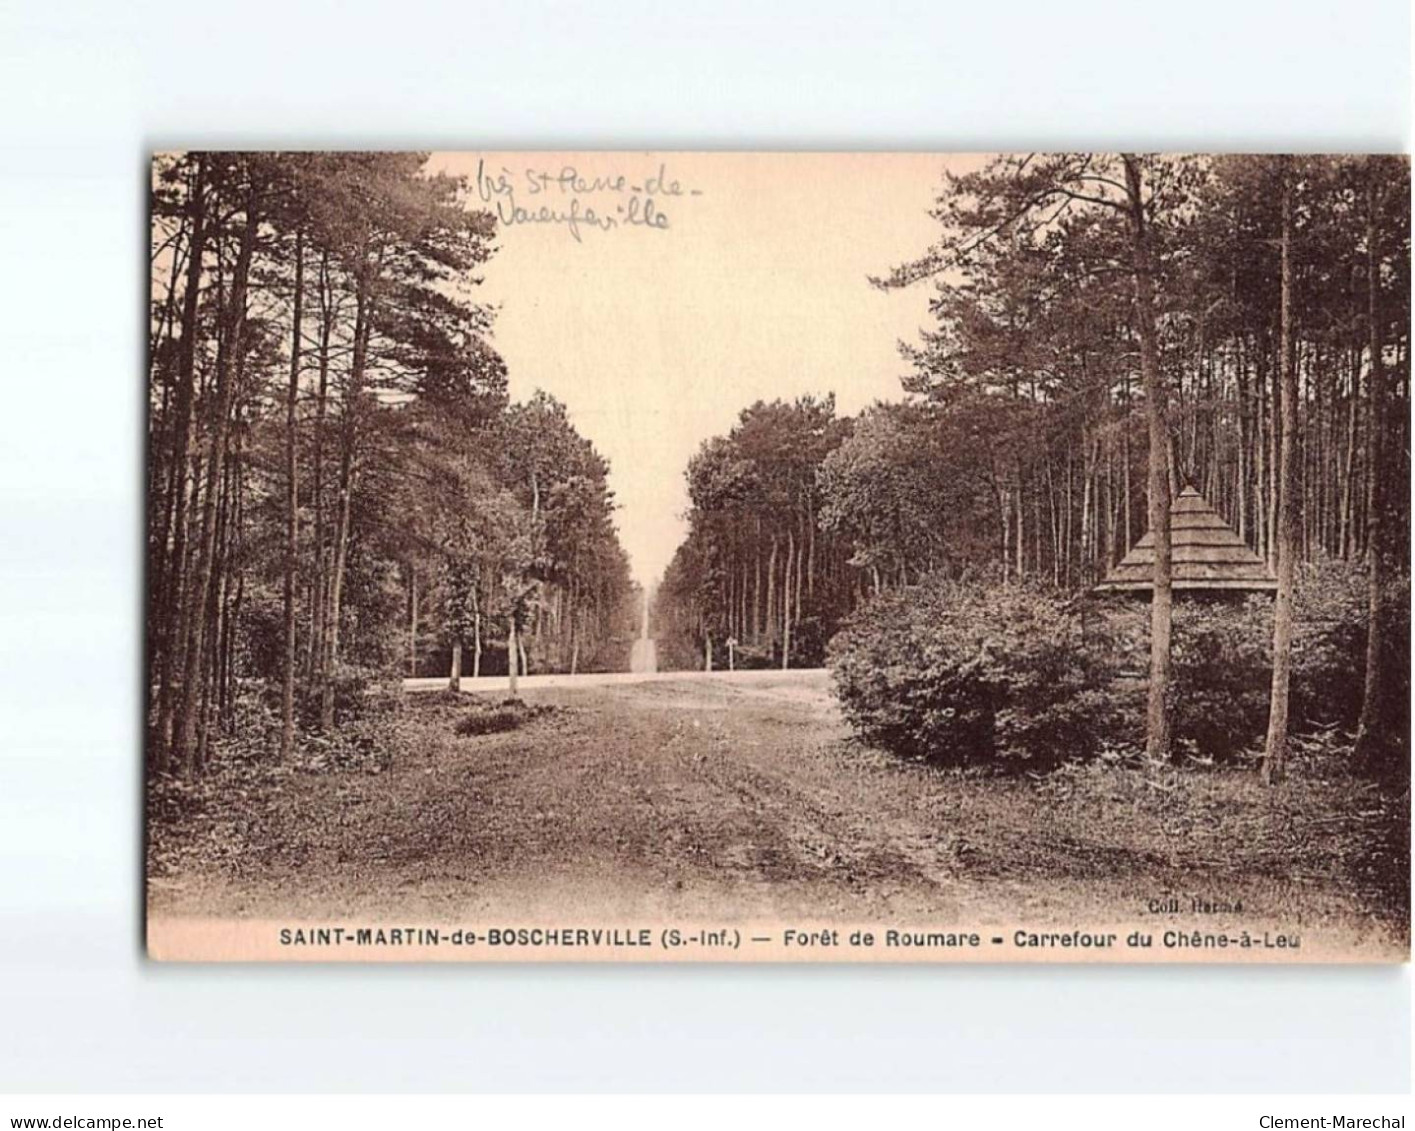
point(1208, 556)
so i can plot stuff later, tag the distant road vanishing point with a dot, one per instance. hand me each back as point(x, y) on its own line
point(644, 657)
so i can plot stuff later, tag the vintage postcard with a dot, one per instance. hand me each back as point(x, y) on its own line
point(818, 557)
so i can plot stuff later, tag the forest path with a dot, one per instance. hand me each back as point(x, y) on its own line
point(674, 794)
point(644, 657)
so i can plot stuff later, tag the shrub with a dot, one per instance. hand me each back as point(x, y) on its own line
point(959, 673)
point(1329, 646)
point(808, 649)
point(809, 641)
point(260, 634)
point(1222, 657)
point(966, 672)
point(749, 657)
point(358, 691)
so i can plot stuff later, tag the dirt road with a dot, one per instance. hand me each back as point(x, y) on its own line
point(731, 796)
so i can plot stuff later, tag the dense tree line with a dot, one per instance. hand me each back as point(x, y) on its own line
point(1107, 329)
point(338, 488)
point(1036, 332)
point(758, 579)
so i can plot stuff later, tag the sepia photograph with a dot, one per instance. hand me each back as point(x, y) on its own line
point(777, 557)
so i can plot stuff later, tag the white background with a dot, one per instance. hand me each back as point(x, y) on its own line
point(87, 89)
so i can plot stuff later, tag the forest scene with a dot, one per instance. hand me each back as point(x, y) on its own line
point(341, 491)
point(1097, 600)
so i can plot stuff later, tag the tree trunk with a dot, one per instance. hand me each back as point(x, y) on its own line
point(346, 490)
point(771, 591)
point(1245, 428)
point(810, 550)
point(334, 603)
point(454, 676)
point(412, 620)
point(215, 620)
point(1089, 462)
point(1004, 503)
point(173, 581)
point(512, 649)
point(743, 627)
point(315, 656)
point(1157, 715)
point(228, 377)
point(476, 638)
point(292, 533)
point(1020, 537)
point(1260, 490)
point(1348, 467)
point(800, 560)
point(1128, 502)
point(786, 603)
point(1274, 441)
point(1275, 748)
point(757, 593)
point(1368, 737)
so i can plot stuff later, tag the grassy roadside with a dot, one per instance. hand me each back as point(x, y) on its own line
point(713, 798)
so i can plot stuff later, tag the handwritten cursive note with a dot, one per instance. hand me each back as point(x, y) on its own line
point(580, 202)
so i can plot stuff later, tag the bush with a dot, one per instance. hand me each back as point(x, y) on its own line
point(809, 642)
point(962, 673)
point(358, 691)
point(808, 649)
point(1329, 646)
point(1222, 657)
point(491, 718)
point(970, 672)
point(260, 634)
point(756, 657)
point(1223, 661)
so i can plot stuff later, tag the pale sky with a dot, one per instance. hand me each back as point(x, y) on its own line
point(655, 339)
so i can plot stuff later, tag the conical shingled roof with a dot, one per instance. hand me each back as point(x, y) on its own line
point(1207, 554)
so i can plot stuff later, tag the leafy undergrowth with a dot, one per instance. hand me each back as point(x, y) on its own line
point(494, 718)
point(212, 818)
point(728, 800)
point(1121, 815)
